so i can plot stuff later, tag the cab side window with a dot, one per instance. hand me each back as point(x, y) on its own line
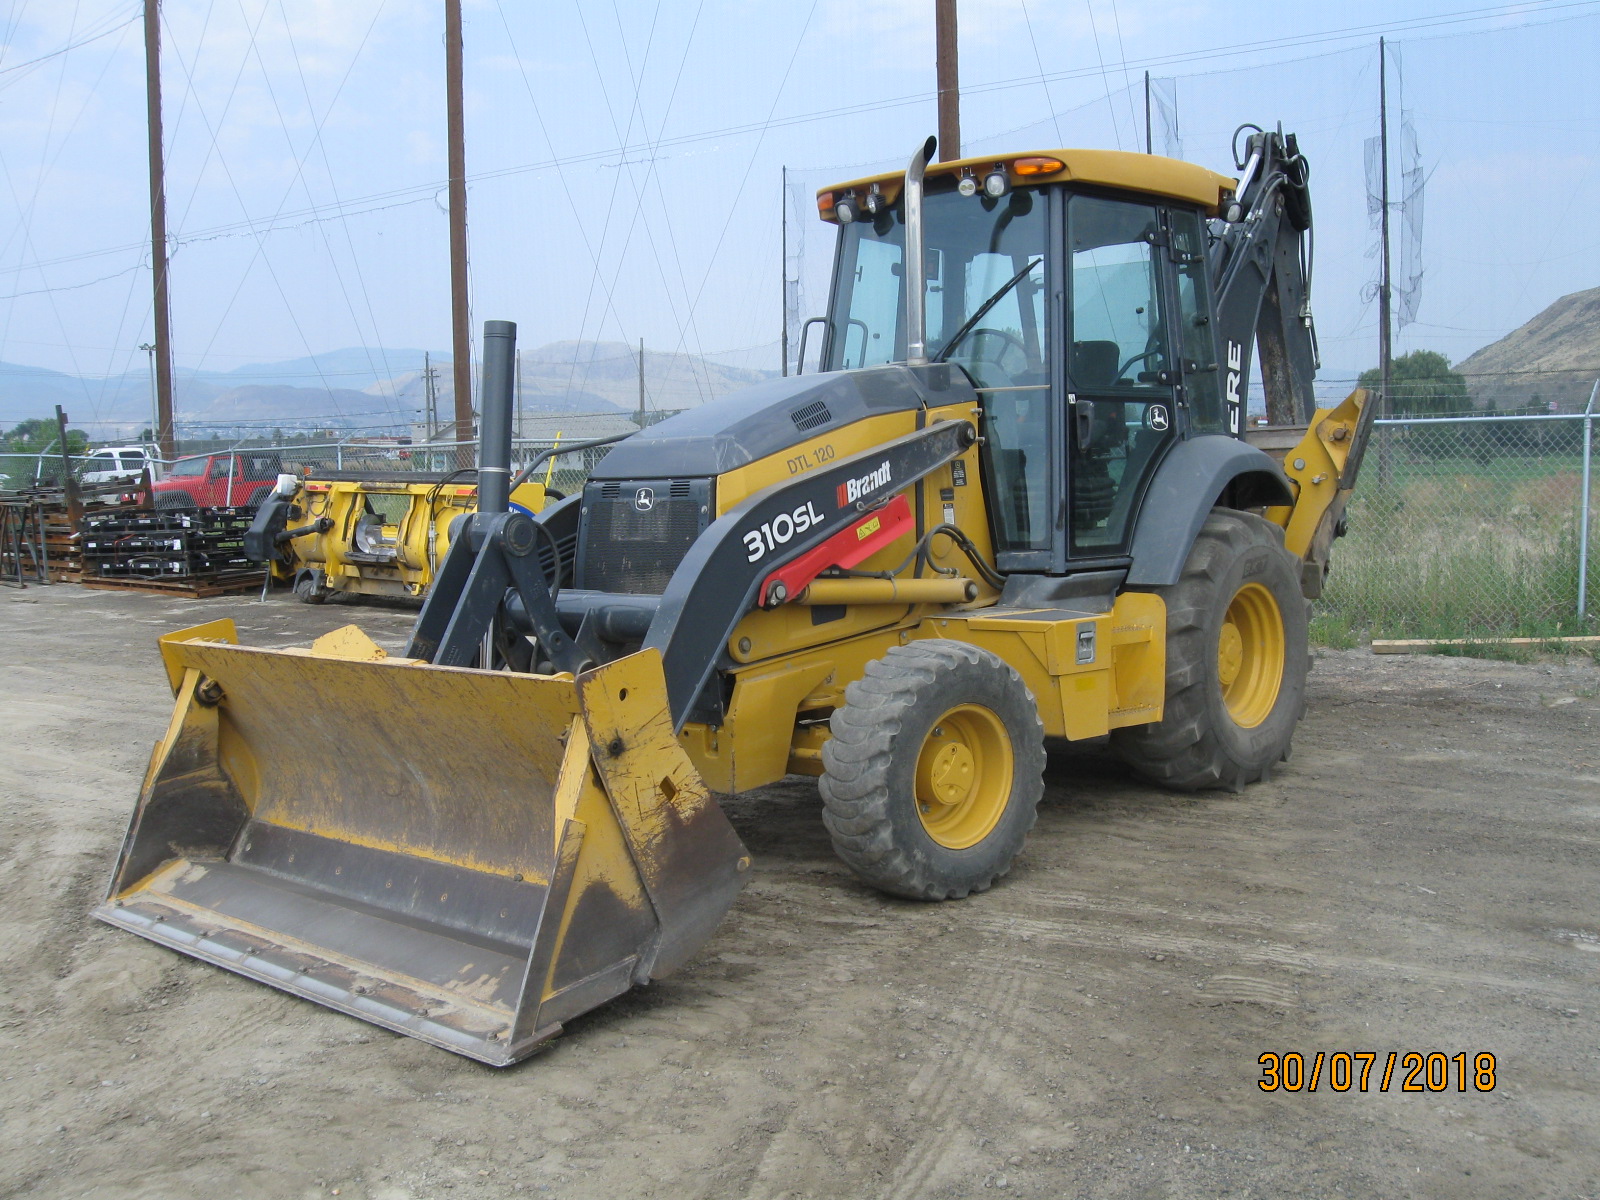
point(1120, 376)
point(1118, 340)
point(1197, 345)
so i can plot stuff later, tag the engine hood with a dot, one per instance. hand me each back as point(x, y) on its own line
point(771, 417)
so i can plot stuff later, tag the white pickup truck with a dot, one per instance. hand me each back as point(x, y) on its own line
point(114, 464)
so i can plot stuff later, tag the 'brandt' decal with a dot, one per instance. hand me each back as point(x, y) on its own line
point(852, 490)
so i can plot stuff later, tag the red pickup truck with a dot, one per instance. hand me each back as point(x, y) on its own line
point(241, 479)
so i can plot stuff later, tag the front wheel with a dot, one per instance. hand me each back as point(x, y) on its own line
point(1237, 655)
point(933, 774)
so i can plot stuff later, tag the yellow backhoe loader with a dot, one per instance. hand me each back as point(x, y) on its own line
point(1016, 503)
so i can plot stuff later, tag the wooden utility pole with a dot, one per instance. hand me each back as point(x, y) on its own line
point(461, 332)
point(69, 482)
point(944, 17)
point(1149, 140)
point(430, 399)
point(1385, 345)
point(783, 272)
point(1385, 348)
point(641, 383)
point(163, 431)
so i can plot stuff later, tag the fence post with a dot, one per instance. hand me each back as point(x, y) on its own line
point(1583, 514)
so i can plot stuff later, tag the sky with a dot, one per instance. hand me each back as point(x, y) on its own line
point(625, 157)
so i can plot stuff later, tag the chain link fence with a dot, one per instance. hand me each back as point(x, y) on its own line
point(565, 471)
point(1461, 527)
point(19, 471)
point(1469, 527)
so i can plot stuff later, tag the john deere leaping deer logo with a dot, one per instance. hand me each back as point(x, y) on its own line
point(644, 499)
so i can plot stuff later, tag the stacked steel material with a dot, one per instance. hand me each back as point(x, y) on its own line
point(168, 545)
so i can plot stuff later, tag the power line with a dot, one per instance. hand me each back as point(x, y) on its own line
point(1049, 101)
point(418, 193)
point(733, 207)
point(71, 46)
point(1094, 32)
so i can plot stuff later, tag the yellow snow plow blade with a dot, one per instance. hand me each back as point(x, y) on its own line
point(469, 857)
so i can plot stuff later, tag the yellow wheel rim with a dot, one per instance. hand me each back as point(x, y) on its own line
point(1250, 655)
point(964, 773)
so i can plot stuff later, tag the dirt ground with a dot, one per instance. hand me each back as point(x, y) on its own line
point(1421, 876)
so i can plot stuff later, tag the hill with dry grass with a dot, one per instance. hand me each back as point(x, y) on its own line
point(1554, 358)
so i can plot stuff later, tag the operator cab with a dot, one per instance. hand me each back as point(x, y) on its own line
point(1083, 317)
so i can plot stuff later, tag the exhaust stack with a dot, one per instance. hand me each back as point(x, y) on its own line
point(916, 263)
point(495, 402)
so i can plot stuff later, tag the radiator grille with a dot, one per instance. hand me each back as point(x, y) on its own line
point(635, 534)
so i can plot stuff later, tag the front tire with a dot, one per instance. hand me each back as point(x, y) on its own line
point(168, 501)
point(1237, 656)
point(933, 774)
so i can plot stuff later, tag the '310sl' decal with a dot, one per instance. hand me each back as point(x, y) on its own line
point(780, 530)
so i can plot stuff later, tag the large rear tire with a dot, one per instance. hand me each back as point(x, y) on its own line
point(1237, 658)
point(933, 774)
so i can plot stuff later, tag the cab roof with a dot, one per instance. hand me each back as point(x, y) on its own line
point(1149, 174)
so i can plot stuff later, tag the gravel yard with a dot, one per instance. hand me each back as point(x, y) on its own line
point(1421, 876)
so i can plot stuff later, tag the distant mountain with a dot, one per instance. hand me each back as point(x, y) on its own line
point(610, 370)
point(358, 368)
point(1554, 358)
point(362, 388)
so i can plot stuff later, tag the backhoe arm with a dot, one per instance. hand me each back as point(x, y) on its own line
point(1262, 276)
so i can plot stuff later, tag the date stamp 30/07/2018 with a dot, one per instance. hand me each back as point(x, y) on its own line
point(1374, 1071)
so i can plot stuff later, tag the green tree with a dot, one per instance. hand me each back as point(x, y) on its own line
point(35, 435)
point(1422, 385)
point(21, 445)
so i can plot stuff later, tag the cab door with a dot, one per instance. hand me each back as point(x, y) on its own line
point(1123, 371)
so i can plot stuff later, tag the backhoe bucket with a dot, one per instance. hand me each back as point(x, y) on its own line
point(469, 857)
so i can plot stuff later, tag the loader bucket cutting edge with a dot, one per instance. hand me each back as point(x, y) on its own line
point(468, 857)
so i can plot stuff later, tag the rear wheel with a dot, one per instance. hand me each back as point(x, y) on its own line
point(1236, 661)
point(933, 774)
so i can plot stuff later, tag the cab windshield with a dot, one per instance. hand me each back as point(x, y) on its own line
point(188, 467)
point(976, 246)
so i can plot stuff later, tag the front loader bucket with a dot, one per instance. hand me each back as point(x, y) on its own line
point(469, 857)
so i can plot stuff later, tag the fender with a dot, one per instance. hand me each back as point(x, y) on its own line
point(1188, 482)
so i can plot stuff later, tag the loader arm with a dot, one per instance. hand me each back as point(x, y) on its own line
point(491, 576)
point(718, 581)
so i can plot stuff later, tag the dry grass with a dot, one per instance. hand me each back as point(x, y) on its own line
point(1468, 552)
